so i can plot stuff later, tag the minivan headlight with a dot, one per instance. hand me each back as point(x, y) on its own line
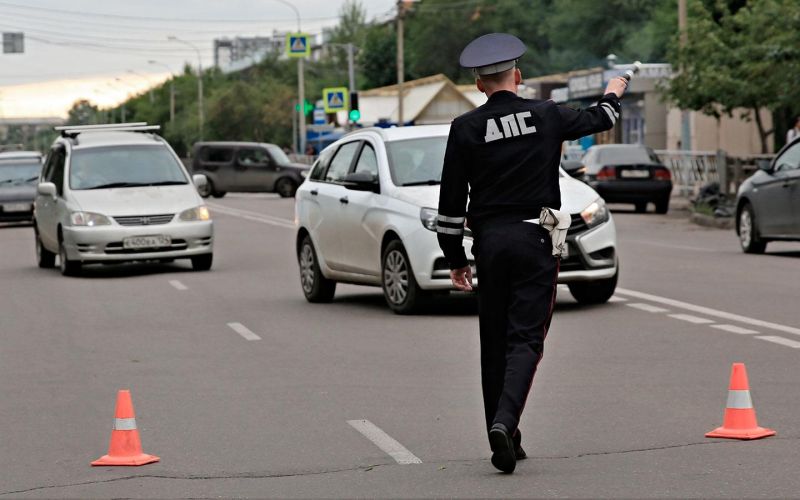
point(89, 219)
point(596, 213)
point(195, 214)
point(428, 218)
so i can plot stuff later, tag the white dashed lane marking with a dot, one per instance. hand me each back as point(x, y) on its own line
point(243, 331)
point(647, 307)
point(691, 319)
point(617, 299)
point(385, 442)
point(780, 340)
point(251, 216)
point(178, 285)
point(734, 329)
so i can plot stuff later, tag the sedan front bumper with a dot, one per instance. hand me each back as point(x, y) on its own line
point(105, 243)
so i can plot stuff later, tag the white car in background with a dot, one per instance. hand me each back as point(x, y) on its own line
point(366, 215)
point(118, 193)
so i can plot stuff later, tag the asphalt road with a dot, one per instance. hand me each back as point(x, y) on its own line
point(245, 390)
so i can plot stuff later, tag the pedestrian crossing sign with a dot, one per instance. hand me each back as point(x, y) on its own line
point(298, 45)
point(335, 99)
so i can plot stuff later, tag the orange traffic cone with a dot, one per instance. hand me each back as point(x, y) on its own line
point(125, 447)
point(740, 416)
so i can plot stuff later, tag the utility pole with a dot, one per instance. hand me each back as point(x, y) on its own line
point(686, 136)
point(400, 62)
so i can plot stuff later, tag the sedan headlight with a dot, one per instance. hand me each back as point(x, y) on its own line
point(195, 214)
point(428, 217)
point(596, 213)
point(88, 219)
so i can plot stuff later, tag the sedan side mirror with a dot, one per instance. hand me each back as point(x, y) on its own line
point(200, 181)
point(361, 181)
point(46, 189)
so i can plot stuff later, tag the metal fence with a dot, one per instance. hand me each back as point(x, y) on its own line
point(693, 169)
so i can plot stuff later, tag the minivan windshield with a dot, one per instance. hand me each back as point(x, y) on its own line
point(124, 166)
point(19, 171)
point(416, 162)
point(278, 155)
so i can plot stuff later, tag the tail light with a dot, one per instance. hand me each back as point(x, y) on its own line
point(662, 174)
point(606, 173)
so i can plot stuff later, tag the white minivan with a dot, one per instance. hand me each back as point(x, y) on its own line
point(367, 213)
point(116, 193)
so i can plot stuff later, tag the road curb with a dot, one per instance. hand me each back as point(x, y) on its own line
point(709, 221)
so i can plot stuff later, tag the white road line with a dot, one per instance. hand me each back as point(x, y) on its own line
point(734, 329)
point(691, 319)
point(617, 299)
point(243, 331)
point(666, 245)
point(252, 216)
point(178, 285)
point(782, 341)
point(385, 442)
point(710, 312)
point(647, 307)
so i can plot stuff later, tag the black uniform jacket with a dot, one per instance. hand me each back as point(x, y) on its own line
point(505, 156)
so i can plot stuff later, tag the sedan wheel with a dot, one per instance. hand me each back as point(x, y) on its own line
point(285, 187)
point(748, 232)
point(400, 288)
point(316, 287)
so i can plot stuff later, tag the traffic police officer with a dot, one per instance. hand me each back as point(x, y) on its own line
point(505, 156)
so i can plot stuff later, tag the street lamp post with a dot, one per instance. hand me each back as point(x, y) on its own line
point(301, 92)
point(171, 90)
point(199, 80)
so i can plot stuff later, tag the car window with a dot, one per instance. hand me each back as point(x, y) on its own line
point(340, 165)
point(624, 156)
point(124, 166)
point(277, 154)
point(789, 160)
point(368, 161)
point(217, 154)
point(57, 174)
point(252, 156)
point(319, 167)
point(416, 161)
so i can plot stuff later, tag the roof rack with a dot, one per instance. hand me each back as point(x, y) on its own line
point(74, 130)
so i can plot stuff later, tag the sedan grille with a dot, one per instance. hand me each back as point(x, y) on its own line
point(578, 225)
point(144, 220)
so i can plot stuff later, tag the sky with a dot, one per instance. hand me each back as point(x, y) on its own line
point(100, 49)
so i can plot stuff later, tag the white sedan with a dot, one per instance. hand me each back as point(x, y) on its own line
point(366, 215)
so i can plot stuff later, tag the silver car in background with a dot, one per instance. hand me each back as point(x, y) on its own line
point(116, 193)
point(19, 171)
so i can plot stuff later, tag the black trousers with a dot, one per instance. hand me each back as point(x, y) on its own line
point(516, 293)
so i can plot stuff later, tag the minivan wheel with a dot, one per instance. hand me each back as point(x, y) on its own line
point(316, 287)
point(44, 257)
point(748, 231)
point(68, 267)
point(285, 187)
point(594, 292)
point(400, 288)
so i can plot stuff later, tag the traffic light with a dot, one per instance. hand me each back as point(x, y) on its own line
point(355, 113)
point(307, 107)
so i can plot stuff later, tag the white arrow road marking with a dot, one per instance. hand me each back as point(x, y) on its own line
point(385, 442)
point(243, 331)
point(178, 285)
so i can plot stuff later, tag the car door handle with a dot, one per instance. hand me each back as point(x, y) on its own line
point(344, 200)
point(314, 192)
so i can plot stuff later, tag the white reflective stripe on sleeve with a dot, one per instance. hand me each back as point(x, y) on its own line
point(451, 220)
point(447, 230)
point(124, 424)
point(609, 106)
point(739, 400)
point(610, 113)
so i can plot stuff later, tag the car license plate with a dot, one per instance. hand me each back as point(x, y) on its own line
point(17, 207)
point(635, 174)
point(135, 242)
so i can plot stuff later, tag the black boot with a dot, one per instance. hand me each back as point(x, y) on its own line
point(518, 451)
point(503, 457)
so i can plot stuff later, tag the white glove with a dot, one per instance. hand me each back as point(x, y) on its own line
point(556, 222)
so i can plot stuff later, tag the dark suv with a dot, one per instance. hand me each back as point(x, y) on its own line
point(246, 167)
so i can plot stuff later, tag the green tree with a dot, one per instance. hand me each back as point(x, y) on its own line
point(748, 60)
point(82, 112)
point(377, 58)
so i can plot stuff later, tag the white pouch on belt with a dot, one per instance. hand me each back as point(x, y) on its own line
point(556, 222)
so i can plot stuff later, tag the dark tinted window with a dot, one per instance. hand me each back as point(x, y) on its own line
point(217, 154)
point(57, 174)
point(340, 165)
point(321, 165)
